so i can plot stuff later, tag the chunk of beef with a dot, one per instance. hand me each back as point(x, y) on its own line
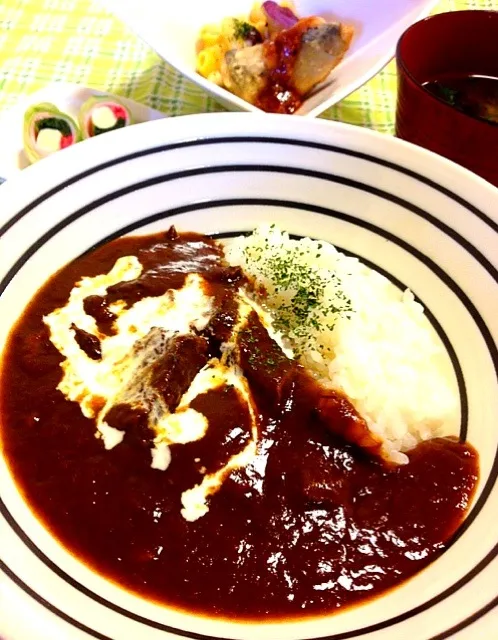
point(263, 362)
point(338, 415)
point(87, 342)
point(96, 306)
point(158, 373)
point(220, 327)
point(174, 371)
point(133, 421)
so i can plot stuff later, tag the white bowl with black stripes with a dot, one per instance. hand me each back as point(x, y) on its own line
point(425, 222)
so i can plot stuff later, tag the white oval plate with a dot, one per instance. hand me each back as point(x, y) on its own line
point(172, 29)
point(67, 97)
point(422, 220)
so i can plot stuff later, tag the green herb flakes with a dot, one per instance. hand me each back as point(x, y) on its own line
point(242, 29)
point(300, 305)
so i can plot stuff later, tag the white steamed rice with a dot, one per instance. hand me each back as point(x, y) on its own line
point(363, 336)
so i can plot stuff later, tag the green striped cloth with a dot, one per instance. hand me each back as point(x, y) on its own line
point(43, 41)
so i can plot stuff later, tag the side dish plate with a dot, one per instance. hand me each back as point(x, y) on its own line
point(172, 29)
point(426, 223)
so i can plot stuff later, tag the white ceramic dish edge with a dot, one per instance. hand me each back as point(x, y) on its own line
point(128, 12)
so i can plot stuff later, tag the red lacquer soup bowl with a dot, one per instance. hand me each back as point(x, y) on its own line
point(459, 44)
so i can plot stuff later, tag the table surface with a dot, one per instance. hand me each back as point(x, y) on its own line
point(44, 41)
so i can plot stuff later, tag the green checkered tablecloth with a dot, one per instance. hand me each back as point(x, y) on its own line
point(43, 41)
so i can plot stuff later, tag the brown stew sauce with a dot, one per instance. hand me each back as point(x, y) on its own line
point(316, 525)
point(279, 95)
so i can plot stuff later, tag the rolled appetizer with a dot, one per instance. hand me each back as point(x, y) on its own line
point(46, 129)
point(101, 114)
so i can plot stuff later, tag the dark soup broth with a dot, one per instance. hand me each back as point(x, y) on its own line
point(475, 95)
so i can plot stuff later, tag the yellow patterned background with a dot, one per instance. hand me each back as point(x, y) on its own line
point(43, 41)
